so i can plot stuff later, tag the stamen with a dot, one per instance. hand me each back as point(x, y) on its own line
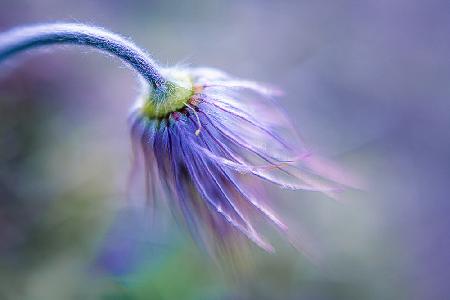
point(198, 89)
point(195, 99)
point(197, 132)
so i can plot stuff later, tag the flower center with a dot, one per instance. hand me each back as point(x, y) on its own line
point(179, 89)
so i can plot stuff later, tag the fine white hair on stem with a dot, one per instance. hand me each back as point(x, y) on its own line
point(28, 37)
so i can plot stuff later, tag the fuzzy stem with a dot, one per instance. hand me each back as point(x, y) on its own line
point(24, 38)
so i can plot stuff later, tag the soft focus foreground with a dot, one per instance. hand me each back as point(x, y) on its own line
point(367, 85)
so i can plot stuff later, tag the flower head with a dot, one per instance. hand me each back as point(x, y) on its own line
point(212, 142)
point(209, 139)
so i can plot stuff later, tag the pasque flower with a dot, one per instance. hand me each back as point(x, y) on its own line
point(208, 141)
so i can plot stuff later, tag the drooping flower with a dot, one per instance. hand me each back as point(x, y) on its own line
point(212, 145)
point(207, 140)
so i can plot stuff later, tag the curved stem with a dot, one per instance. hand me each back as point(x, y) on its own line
point(24, 38)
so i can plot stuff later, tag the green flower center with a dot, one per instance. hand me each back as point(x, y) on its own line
point(179, 90)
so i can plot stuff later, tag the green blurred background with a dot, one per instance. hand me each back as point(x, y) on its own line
point(366, 83)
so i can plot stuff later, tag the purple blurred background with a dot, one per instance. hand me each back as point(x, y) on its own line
point(367, 83)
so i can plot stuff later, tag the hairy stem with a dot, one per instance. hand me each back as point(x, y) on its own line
point(28, 37)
